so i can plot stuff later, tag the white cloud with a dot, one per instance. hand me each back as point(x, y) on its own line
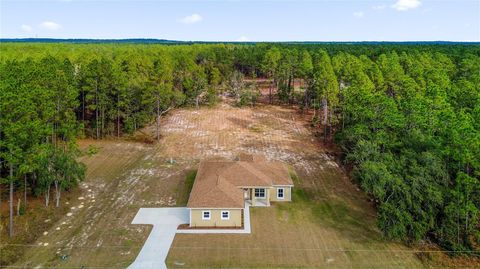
point(50, 25)
point(194, 18)
point(242, 39)
point(359, 14)
point(379, 7)
point(26, 28)
point(403, 5)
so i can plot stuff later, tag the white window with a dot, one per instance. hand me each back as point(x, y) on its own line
point(225, 215)
point(281, 193)
point(260, 193)
point(205, 215)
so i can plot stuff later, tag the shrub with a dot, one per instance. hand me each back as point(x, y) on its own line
point(92, 150)
point(212, 97)
point(249, 96)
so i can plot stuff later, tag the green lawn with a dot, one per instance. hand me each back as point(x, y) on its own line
point(306, 233)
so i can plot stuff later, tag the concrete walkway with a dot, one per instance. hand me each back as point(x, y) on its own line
point(165, 222)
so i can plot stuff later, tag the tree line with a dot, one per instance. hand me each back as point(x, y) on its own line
point(47, 101)
point(408, 120)
point(407, 116)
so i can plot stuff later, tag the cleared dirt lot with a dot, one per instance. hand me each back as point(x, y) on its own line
point(336, 229)
point(330, 223)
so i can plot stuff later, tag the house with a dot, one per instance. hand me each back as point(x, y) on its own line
point(223, 188)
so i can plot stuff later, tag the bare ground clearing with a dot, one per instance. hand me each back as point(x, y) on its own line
point(329, 225)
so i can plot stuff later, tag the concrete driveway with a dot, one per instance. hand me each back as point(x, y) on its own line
point(165, 222)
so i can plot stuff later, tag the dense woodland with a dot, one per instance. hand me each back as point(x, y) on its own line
point(406, 116)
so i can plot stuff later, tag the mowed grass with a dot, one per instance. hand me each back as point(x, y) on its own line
point(306, 233)
point(183, 191)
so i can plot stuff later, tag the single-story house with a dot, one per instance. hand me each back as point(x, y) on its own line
point(222, 188)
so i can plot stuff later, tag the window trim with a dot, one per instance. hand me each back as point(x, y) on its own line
point(228, 215)
point(259, 191)
point(283, 193)
point(209, 215)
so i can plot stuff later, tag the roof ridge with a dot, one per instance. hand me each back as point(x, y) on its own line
point(226, 182)
point(217, 185)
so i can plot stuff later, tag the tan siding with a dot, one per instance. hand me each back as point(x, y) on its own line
point(215, 218)
point(287, 191)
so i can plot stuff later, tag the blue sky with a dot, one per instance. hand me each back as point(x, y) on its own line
point(262, 20)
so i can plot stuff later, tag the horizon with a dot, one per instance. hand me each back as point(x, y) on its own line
point(162, 40)
point(244, 21)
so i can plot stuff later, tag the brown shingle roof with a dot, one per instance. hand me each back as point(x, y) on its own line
point(218, 184)
point(210, 190)
point(277, 171)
